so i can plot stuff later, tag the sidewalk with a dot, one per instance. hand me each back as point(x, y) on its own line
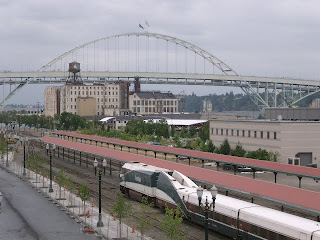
point(73, 205)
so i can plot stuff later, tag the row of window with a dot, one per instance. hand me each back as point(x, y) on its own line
point(98, 106)
point(244, 133)
point(94, 93)
point(146, 102)
point(153, 109)
point(93, 87)
point(98, 100)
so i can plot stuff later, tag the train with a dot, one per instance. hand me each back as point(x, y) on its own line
point(234, 218)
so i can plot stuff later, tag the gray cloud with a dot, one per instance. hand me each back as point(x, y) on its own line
point(268, 38)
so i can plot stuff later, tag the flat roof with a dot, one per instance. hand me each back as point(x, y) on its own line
point(296, 197)
point(253, 163)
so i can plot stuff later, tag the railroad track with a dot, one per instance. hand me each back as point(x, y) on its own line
point(110, 185)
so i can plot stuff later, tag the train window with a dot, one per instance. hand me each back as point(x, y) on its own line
point(254, 229)
point(263, 232)
point(281, 237)
point(272, 235)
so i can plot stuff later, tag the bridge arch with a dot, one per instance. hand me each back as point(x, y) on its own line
point(223, 67)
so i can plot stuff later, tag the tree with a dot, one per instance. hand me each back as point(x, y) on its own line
point(260, 154)
point(61, 180)
point(238, 151)
point(204, 132)
point(144, 222)
point(172, 223)
point(210, 146)
point(192, 131)
point(225, 147)
point(84, 194)
point(3, 147)
point(121, 208)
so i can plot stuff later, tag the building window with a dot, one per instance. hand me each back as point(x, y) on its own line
point(243, 133)
point(231, 132)
point(221, 131)
point(268, 135)
point(227, 132)
point(70, 99)
point(138, 102)
point(255, 134)
point(134, 102)
point(261, 134)
point(237, 133)
point(249, 133)
point(274, 135)
point(217, 133)
point(71, 92)
point(211, 130)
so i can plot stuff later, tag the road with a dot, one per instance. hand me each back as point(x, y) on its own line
point(26, 214)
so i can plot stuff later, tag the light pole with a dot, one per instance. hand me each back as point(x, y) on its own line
point(53, 147)
point(24, 155)
point(8, 137)
point(100, 223)
point(95, 165)
point(104, 164)
point(206, 207)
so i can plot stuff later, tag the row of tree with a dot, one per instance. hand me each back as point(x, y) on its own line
point(65, 121)
point(234, 102)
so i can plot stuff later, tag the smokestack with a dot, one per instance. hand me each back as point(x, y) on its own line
point(137, 87)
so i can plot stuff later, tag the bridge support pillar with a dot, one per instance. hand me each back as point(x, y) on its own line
point(121, 148)
point(128, 149)
point(189, 159)
point(165, 156)
point(145, 152)
point(96, 143)
point(202, 163)
point(253, 173)
point(155, 154)
point(114, 147)
point(234, 169)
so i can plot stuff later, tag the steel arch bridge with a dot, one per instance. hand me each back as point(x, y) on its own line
point(158, 59)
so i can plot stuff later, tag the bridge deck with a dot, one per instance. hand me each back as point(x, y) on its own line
point(299, 198)
point(211, 157)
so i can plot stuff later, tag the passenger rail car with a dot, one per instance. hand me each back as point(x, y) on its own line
point(231, 217)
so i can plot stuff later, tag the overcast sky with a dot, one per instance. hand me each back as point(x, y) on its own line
point(265, 38)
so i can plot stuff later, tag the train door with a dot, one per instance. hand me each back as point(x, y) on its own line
point(234, 218)
point(303, 236)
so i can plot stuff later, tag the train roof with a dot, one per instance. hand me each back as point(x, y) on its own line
point(284, 220)
point(143, 166)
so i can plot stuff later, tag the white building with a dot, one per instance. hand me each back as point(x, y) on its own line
point(110, 99)
point(144, 103)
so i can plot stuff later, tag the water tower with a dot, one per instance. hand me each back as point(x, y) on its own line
point(74, 72)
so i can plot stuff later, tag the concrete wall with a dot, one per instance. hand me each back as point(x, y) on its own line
point(287, 138)
point(86, 106)
point(312, 114)
point(50, 101)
